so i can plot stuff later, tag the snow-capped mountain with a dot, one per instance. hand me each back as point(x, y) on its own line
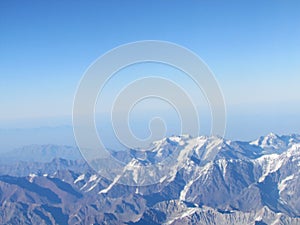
point(209, 180)
point(273, 143)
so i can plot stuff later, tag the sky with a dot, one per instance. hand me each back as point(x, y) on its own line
point(252, 47)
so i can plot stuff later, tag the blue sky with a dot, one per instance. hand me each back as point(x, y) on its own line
point(253, 48)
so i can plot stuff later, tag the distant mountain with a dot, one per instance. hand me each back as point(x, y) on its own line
point(12, 138)
point(213, 181)
point(40, 153)
point(273, 143)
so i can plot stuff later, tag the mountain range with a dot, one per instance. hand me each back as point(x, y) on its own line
point(211, 181)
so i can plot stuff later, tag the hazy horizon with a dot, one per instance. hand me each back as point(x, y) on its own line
point(253, 50)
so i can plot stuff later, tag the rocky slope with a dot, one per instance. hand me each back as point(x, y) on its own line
point(212, 181)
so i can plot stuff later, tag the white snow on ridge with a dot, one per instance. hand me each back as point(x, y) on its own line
point(93, 178)
point(293, 151)
point(223, 163)
point(31, 177)
point(92, 187)
point(188, 212)
point(103, 191)
point(269, 163)
point(273, 143)
point(177, 139)
point(183, 154)
point(282, 185)
point(272, 162)
point(185, 190)
point(79, 178)
point(204, 149)
point(198, 173)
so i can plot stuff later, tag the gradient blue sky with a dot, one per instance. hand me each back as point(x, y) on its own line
point(253, 48)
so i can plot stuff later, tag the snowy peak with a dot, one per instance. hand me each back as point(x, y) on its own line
point(273, 143)
point(211, 181)
point(206, 148)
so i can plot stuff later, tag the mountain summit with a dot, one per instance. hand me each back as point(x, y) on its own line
point(211, 180)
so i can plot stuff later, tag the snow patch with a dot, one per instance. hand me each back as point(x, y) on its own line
point(110, 186)
point(222, 163)
point(92, 187)
point(93, 178)
point(282, 185)
point(188, 212)
point(269, 163)
point(31, 177)
point(79, 178)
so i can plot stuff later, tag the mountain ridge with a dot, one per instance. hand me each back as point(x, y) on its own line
point(213, 181)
